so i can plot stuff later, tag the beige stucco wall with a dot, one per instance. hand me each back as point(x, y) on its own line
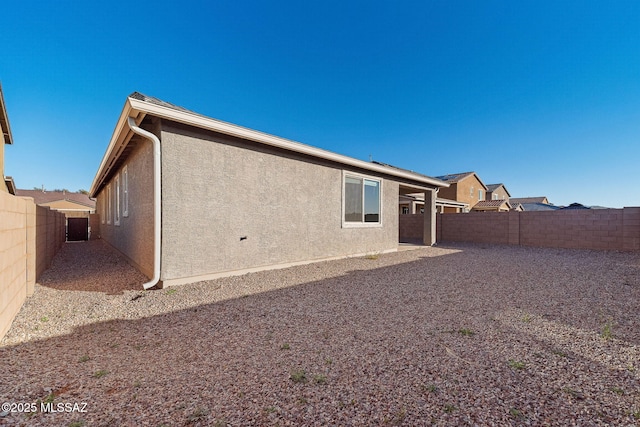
point(134, 236)
point(217, 190)
point(499, 192)
point(461, 191)
point(13, 256)
point(30, 236)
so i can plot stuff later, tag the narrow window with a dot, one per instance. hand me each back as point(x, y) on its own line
point(352, 199)
point(103, 207)
point(125, 192)
point(116, 219)
point(495, 196)
point(405, 210)
point(479, 194)
point(361, 200)
point(109, 201)
point(371, 201)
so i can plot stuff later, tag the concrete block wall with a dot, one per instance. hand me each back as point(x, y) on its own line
point(631, 229)
point(50, 235)
point(487, 227)
point(575, 229)
point(411, 227)
point(13, 257)
point(19, 253)
point(604, 229)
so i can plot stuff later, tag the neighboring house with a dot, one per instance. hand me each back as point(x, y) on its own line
point(575, 206)
point(497, 192)
point(72, 205)
point(7, 184)
point(516, 206)
point(541, 199)
point(535, 204)
point(76, 207)
point(536, 207)
point(168, 191)
point(501, 205)
point(463, 187)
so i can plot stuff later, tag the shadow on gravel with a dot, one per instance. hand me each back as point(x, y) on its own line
point(91, 266)
point(355, 350)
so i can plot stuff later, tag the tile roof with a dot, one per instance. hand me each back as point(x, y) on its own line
point(454, 177)
point(524, 200)
point(41, 197)
point(576, 206)
point(490, 203)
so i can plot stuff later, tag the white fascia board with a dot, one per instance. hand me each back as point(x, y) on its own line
point(275, 141)
point(133, 107)
point(120, 126)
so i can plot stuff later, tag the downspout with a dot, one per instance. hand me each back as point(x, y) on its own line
point(156, 200)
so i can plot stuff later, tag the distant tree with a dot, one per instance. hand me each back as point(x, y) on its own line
point(85, 192)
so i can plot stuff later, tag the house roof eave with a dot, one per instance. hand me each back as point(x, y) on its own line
point(119, 139)
point(138, 109)
point(5, 127)
point(200, 121)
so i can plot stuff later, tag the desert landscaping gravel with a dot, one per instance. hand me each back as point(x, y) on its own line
point(453, 335)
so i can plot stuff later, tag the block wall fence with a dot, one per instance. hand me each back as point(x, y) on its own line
point(603, 229)
point(30, 236)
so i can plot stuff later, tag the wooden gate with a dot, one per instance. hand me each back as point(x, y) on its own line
point(77, 229)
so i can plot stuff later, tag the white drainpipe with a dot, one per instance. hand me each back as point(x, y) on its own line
point(156, 200)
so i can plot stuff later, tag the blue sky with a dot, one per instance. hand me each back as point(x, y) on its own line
point(541, 96)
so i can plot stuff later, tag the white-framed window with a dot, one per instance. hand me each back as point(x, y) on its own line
point(495, 196)
point(405, 210)
point(471, 192)
point(125, 191)
point(109, 204)
point(479, 194)
point(361, 200)
point(103, 207)
point(116, 217)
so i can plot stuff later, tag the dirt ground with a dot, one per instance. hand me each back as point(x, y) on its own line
point(450, 335)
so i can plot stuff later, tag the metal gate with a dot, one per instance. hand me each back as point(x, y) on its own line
point(77, 229)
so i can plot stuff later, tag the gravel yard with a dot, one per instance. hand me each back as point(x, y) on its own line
point(452, 335)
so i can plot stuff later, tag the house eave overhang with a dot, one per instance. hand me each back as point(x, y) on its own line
point(119, 140)
point(138, 109)
point(5, 128)
point(11, 185)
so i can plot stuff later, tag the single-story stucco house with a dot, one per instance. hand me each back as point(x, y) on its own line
point(186, 197)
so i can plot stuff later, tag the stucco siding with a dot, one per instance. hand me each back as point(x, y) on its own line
point(230, 204)
point(134, 235)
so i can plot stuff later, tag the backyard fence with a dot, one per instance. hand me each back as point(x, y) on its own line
point(30, 236)
point(608, 229)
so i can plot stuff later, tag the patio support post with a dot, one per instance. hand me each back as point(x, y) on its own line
point(429, 233)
